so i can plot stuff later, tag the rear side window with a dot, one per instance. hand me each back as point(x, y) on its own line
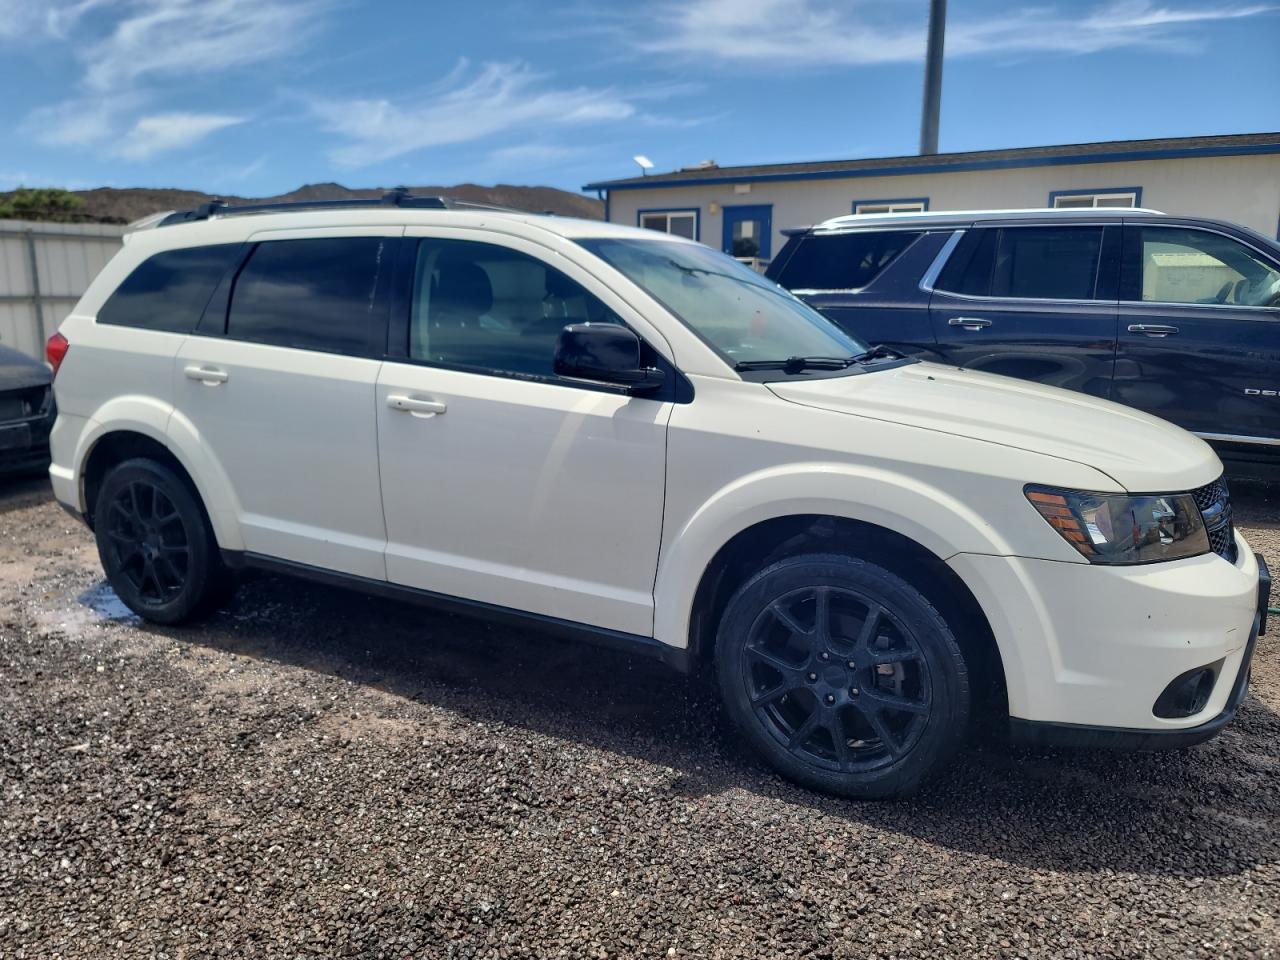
point(310, 294)
point(844, 261)
point(169, 290)
point(1033, 263)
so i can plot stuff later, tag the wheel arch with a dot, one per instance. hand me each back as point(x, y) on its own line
point(777, 538)
point(130, 437)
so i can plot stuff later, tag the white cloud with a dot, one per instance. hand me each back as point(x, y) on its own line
point(182, 37)
point(132, 50)
point(856, 32)
point(167, 131)
point(501, 98)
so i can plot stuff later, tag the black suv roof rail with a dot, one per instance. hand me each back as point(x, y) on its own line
point(399, 197)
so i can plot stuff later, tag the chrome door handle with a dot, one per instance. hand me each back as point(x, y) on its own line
point(211, 376)
point(969, 323)
point(1152, 329)
point(416, 405)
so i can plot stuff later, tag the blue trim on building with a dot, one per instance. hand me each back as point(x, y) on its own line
point(1093, 191)
point(853, 207)
point(696, 211)
point(747, 211)
point(1063, 160)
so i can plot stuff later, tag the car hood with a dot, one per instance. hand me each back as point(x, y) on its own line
point(18, 371)
point(1140, 452)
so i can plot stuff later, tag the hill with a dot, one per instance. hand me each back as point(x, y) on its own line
point(116, 205)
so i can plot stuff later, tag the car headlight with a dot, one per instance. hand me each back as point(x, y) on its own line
point(1118, 528)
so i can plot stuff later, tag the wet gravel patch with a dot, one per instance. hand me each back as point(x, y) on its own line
point(315, 773)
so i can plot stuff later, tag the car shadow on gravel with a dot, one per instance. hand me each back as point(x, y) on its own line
point(1204, 812)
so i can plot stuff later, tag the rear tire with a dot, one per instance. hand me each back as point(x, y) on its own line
point(842, 676)
point(155, 543)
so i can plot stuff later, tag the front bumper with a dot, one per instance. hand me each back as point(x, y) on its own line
point(1119, 738)
point(24, 444)
point(1087, 650)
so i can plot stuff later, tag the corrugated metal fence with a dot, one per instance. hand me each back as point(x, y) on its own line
point(44, 268)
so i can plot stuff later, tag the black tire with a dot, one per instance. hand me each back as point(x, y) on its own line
point(871, 731)
point(156, 545)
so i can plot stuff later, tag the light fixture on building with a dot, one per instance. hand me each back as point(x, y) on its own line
point(644, 162)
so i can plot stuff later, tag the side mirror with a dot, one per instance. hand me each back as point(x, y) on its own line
point(607, 353)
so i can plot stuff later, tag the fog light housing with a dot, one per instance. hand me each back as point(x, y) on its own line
point(1188, 693)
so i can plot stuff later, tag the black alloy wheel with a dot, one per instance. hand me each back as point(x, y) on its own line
point(843, 675)
point(155, 543)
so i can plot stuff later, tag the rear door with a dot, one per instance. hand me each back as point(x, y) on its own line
point(279, 383)
point(866, 281)
point(1200, 332)
point(1034, 301)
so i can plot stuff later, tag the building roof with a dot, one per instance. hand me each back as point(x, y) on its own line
point(1111, 151)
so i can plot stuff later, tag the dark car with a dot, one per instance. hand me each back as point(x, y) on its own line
point(1177, 316)
point(26, 412)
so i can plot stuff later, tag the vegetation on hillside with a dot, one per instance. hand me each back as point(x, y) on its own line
point(42, 203)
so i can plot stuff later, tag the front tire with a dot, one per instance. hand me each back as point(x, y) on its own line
point(843, 676)
point(155, 543)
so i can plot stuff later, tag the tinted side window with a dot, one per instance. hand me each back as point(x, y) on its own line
point(1035, 263)
point(312, 294)
point(1195, 266)
point(169, 290)
point(489, 307)
point(845, 261)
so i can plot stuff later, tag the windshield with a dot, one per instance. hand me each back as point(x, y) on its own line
point(738, 312)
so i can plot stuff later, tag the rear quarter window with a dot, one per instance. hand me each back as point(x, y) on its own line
point(845, 261)
point(168, 291)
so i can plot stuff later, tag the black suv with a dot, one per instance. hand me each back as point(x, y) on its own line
point(1176, 316)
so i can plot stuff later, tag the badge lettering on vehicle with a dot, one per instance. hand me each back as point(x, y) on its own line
point(1254, 392)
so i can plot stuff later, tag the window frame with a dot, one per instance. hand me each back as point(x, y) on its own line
point(1131, 265)
point(696, 212)
point(675, 389)
point(1096, 194)
point(1106, 279)
point(921, 205)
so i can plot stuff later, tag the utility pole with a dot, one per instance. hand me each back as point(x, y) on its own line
point(933, 77)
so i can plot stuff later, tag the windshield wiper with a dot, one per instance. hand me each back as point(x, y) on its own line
point(796, 364)
point(878, 352)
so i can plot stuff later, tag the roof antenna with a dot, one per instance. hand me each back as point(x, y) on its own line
point(395, 196)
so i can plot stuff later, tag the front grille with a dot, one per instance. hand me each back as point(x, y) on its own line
point(1214, 501)
point(23, 404)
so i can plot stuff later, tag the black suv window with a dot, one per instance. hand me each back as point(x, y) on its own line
point(312, 294)
point(489, 307)
point(1037, 263)
point(1196, 266)
point(169, 290)
point(842, 261)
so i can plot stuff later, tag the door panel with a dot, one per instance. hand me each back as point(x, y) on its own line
point(1069, 345)
point(535, 496)
point(1211, 367)
point(294, 433)
point(1035, 302)
point(748, 231)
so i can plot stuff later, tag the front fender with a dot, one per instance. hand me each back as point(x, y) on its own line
point(926, 514)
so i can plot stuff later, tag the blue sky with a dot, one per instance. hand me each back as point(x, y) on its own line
point(255, 97)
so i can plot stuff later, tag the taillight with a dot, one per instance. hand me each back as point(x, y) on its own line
point(55, 350)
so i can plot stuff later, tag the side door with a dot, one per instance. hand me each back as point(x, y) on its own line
point(1036, 302)
point(278, 385)
point(748, 233)
point(1200, 332)
point(502, 482)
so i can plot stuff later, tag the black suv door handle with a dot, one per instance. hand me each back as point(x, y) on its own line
point(969, 323)
point(1152, 329)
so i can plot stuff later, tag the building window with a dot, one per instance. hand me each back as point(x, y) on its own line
point(1104, 197)
point(683, 223)
point(909, 205)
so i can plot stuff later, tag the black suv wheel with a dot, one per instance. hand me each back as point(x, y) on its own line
point(842, 675)
point(155, 543)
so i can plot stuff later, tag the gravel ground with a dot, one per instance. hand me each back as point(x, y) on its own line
point(313, 773)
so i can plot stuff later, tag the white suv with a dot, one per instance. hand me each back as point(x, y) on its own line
point(632, 436)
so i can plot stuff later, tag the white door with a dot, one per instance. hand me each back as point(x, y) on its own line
point(284, 402)
point(500, 482)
